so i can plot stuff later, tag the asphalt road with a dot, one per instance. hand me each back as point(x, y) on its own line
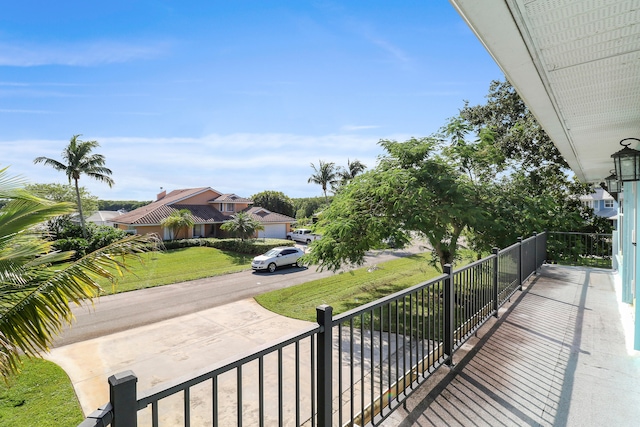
point(119, 312)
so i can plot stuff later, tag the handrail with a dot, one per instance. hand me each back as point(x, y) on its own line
point(392, 344)
point(167, 389)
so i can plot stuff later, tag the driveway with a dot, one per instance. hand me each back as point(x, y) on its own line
point(121, 312)
point(167, 332)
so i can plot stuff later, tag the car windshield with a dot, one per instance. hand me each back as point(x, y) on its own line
point(272, 252)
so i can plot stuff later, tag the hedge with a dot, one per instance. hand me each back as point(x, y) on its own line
point(251, 247)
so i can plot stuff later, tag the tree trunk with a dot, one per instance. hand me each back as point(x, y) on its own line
point(82, 225)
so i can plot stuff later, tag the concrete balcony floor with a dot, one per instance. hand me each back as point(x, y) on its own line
point(557, 356)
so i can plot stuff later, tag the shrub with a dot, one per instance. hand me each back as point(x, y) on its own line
point(68, 236)
point(77, 244)
point(104, 235)
point(251, 247)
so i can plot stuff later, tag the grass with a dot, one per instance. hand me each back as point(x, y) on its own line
point(178, 265)
point(40, 396)
point(349, 290)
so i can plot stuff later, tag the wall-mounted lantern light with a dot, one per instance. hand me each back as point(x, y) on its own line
point(613, 186)
point(627, 162)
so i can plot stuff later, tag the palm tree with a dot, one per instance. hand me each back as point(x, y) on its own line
point(241, 224)
point(34, 297)
point(324, 175)
point(177, 221)
point(78, 160)
point(353, 168)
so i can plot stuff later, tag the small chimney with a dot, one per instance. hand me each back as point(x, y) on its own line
point(161, 194)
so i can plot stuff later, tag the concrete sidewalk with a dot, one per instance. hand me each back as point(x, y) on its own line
point(556, 357)
point(169, 349)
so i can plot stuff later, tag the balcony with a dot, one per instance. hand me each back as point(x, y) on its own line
point(556, 356)
point(503, 341)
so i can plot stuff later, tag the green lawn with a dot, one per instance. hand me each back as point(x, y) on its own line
point(43, 396)
point(178, 265)
point(349, 290)
point(40, 396)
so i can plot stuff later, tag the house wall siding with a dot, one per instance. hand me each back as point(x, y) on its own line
point(237, 207)
point(635, 271)
point(200, 199)
point(143, 229)
point(630, 274)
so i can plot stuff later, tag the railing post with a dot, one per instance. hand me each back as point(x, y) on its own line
point(535, 254)
point(324, 367)
point(519, 263)
point(123, 397)
point(495, 252)
point(448, 314)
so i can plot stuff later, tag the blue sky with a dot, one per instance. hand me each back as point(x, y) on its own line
point(241, 96)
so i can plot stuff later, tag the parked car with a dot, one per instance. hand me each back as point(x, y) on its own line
point(277, 257)
point(302, 235)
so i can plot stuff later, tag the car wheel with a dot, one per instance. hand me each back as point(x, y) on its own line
point(288, 237)
point(272, 267)
point(308, 241)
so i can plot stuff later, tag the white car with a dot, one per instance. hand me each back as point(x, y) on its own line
point(277, 257)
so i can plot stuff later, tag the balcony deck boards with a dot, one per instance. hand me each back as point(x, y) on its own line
point(556, 357)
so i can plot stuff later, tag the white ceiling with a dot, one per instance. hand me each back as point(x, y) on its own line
point(576, 64)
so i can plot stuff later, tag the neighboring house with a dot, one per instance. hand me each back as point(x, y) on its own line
point(603, 204)
point(209, 210)
point(98, 218)
point(104, 217)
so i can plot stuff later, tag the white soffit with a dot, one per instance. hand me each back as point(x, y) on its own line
point(576, 64)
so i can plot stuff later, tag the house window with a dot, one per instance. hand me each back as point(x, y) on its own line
point(588, 203)
point(608, 204)
point(228, 207)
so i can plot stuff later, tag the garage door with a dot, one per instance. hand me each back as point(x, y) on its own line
point(273, 231)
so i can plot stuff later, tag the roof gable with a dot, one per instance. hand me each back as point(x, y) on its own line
point(265, 216)
point(154, 212)
point(231, 198)
point(191, 196)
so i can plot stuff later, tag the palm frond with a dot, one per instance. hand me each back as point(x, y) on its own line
point(34, 310)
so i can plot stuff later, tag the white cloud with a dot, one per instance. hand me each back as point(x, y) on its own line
point(241, 163)
point(389, 47)
point(26, 111)
point(349, 128)
point(77, 54)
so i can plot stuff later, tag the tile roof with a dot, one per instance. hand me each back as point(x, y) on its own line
point(261, 214)
point(231, 198)
point(200, 214)
point(154, 213)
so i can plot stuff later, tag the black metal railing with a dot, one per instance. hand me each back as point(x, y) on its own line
point(351, 369)
point(582, 249)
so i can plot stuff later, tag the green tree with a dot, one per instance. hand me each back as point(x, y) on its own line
point(34, 297)
point(275, 201)
point(177, 221)
point(306, 207)
point(78, 161)
point(536, 190)
point(480, 159)
point(324, 175)
point(414, 189)
point(515, 130)
point(65, 193)
point(242, 225)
